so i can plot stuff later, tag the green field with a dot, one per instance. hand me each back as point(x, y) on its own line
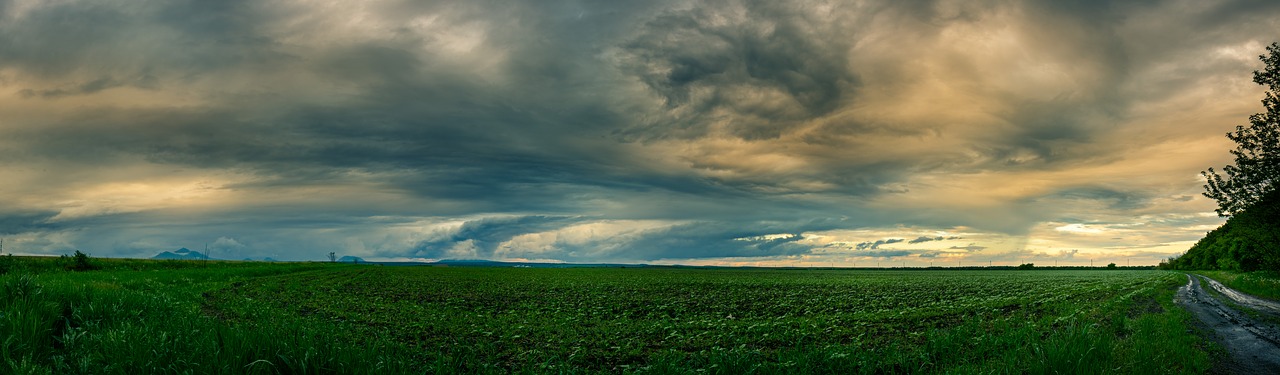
point(168, 317)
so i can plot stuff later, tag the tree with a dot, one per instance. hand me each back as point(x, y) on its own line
point(79, 262)
point(333, 257)
point(1257, 166)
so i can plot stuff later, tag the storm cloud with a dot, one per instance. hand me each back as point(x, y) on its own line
point(923, 239)
point(876, 245)
point(664, 131)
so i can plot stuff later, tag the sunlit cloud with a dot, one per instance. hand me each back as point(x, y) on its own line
point(1078, 228)
point(720, 132)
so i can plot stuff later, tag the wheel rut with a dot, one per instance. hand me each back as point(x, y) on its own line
point(1252, 345)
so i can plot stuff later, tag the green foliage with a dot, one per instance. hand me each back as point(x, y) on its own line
point(42, 264)
point(1027, 266)
point(80, 262)
point(159, 322)
point(1265, 284)
point(8, 263)
point(721, 321)
point(77, 262)
point(1248, 241)
point(1257, 154)
point(334, 318)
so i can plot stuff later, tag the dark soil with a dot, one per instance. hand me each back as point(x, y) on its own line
point(1252, 345)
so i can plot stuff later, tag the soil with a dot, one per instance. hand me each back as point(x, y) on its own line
point(1251, 340)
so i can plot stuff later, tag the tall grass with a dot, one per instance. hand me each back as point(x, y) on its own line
point(131, 322)
point(1265, 284)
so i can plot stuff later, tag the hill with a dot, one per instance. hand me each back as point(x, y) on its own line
point(351, 259)
point(1248, 241)
point(180, 254)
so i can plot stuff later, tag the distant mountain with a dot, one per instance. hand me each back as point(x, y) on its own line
point(180, 254)
point(351, 259)
point(471, 262)
point(496, 263)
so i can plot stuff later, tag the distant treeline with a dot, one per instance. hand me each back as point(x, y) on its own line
point(1248, 241)
point(80, 261)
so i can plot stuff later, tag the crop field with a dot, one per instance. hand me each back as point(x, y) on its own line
point(732, 320)
point(373, 319)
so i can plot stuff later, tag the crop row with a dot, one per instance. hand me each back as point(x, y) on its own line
point(619, 319)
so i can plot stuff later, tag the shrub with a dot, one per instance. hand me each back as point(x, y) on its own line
point(8, 264)
point(80, 262)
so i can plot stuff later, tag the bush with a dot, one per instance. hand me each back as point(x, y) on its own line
point(1247, 242)
point(8, 264)
point(79, 262)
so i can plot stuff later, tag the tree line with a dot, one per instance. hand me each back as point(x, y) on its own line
point(1246, 190)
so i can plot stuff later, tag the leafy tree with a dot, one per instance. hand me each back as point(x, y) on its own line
point(1257, 166)
point(80, 262)
point(1248, 241)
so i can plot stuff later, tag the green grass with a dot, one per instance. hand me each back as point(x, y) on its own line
point(156, 321)
point(1265, 284)
point(223, 318)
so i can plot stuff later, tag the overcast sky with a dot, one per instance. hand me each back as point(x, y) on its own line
point(717, 132)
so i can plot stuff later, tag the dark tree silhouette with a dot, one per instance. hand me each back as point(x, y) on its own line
point(79, 262)
point(1257, 166)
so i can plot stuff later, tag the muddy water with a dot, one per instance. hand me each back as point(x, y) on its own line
point(1253, 346)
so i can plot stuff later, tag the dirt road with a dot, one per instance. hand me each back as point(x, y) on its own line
point(1252, 341)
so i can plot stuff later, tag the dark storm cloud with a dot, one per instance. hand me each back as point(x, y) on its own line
point(1119, 200)
point(719, 61)
point(723, 56)
point(132, 44)
point(892, 253)
point(24, 222)
point(740, 125)
point(486, 234)
point(696, 240)
point(923, 239)
point(877, 243)
point(85, 88)
point(711, 240)
point(523, 145)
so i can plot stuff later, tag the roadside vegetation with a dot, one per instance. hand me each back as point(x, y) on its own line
point(316, 318)
point(1265, 284)
point(1246, 192)
point(1248, 241)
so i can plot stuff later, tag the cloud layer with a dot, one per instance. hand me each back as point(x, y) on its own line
point(725, 132)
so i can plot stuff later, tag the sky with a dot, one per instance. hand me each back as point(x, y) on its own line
point(798, 133)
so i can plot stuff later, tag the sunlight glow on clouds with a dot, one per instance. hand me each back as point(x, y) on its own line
point(691, 132)
point(1078, 228)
